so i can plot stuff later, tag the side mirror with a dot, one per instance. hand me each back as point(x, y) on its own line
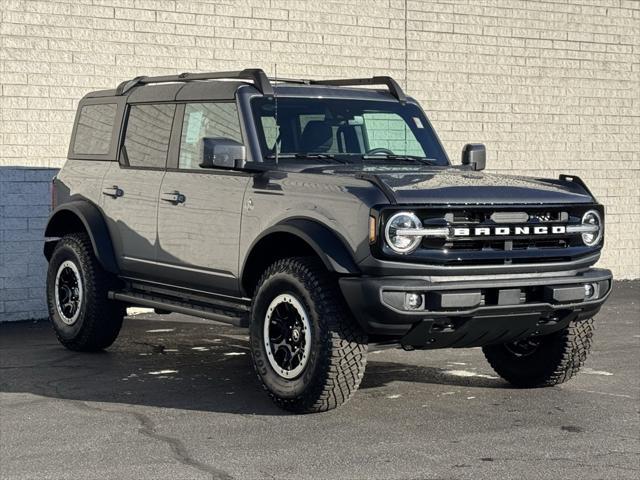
point(474, 155)
point(217, 152)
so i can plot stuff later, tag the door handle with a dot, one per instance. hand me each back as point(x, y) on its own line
point(114, 191)
point(173, 197)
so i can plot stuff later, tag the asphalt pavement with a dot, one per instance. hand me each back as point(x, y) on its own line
point(176, 398)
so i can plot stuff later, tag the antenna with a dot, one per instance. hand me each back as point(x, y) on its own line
point(275, 99)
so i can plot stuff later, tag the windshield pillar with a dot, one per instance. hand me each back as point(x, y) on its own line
point(247, 124)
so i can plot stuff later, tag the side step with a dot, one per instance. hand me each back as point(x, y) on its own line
point(237, 315)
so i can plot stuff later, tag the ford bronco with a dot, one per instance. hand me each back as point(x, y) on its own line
point(323, 217)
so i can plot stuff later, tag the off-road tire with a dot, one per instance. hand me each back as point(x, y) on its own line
point(337, 360)
point(559, 357)
point(100, 319)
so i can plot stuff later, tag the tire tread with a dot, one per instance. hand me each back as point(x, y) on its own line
point(342, 360)
point(102, 317)
point(574, 345)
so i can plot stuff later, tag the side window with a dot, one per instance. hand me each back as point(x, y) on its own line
point(206, 120)
point(391, 132)
point(95, 129)
point(148, 131)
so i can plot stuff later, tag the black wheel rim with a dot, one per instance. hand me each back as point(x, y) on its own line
point(287, 336)
point(68, 292)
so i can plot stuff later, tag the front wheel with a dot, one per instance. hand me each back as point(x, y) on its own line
point(307, 350)
point(543, 361)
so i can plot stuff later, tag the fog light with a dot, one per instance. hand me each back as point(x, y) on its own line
point(412, 301)
point(589, 290)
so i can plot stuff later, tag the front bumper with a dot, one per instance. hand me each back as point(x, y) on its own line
point(473, 312)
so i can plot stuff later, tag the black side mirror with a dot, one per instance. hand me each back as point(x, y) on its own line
point(474, 155)
point(216, 152)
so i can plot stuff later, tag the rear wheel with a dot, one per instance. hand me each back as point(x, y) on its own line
point(82, 316)
point(307, 350)
point(543, 361)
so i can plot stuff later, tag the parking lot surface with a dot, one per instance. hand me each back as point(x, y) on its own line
point(177, 398)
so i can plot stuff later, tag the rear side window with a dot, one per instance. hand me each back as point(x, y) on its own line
point(95, 129)
point(148, 131)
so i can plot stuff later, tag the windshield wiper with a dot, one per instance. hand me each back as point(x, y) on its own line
point(400, 158)
point(308, 156)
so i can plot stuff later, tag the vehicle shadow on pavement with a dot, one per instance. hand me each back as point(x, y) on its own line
point(169, 365)
point(380, 374)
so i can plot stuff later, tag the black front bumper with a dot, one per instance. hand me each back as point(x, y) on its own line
point(473, 312)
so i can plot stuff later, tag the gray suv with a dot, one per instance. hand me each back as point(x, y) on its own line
point(323, 217)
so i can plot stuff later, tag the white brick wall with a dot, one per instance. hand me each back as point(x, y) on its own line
point(549, 86)
point(26, 200)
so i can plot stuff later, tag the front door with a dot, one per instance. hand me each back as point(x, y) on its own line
point(200, 209)
point(131, 187)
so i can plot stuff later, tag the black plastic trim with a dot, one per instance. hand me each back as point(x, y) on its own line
point(211, 312)
point(577, 180)
point(255, 75)
point(183, 291)
point(94, 224)
point(432, 260)
point(332, 250)
point(384, 188)
point(375, 266)
point(391, 84)
point(365, 298)
point(480, 331)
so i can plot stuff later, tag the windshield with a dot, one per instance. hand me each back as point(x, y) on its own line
point(345, 130)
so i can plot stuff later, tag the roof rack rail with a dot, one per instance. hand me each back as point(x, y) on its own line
point(261, 81)
point(290, 80)
point(392, 85)
point(256, 75)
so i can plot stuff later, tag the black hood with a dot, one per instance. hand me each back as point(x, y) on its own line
point(454, 186)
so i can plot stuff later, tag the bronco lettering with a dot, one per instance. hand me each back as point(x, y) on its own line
point(509, 231)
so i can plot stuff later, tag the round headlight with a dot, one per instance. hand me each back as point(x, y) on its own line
point(402, 243)
point(592, 218)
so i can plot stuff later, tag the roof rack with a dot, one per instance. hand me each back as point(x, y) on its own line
point(392, 85)
point(256, 75)
point(261, 81)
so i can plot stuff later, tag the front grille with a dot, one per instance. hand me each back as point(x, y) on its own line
point(502, 245)
point(519, 246)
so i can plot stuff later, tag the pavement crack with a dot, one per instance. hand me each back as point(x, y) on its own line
point(177, 447)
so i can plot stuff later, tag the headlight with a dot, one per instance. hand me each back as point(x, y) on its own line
point(592, 220)
point(402, 243)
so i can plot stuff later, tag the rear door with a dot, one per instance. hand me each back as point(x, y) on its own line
point(130, 188)
point(200, 209)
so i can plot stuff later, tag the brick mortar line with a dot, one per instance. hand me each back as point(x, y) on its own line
point(521, 7)
point(553, 25)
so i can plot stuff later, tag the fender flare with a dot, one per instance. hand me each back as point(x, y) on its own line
point(94, 224)
point(329, 247)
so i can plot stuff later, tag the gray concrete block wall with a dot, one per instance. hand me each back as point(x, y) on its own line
point(24, 208)
point(550, 86)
